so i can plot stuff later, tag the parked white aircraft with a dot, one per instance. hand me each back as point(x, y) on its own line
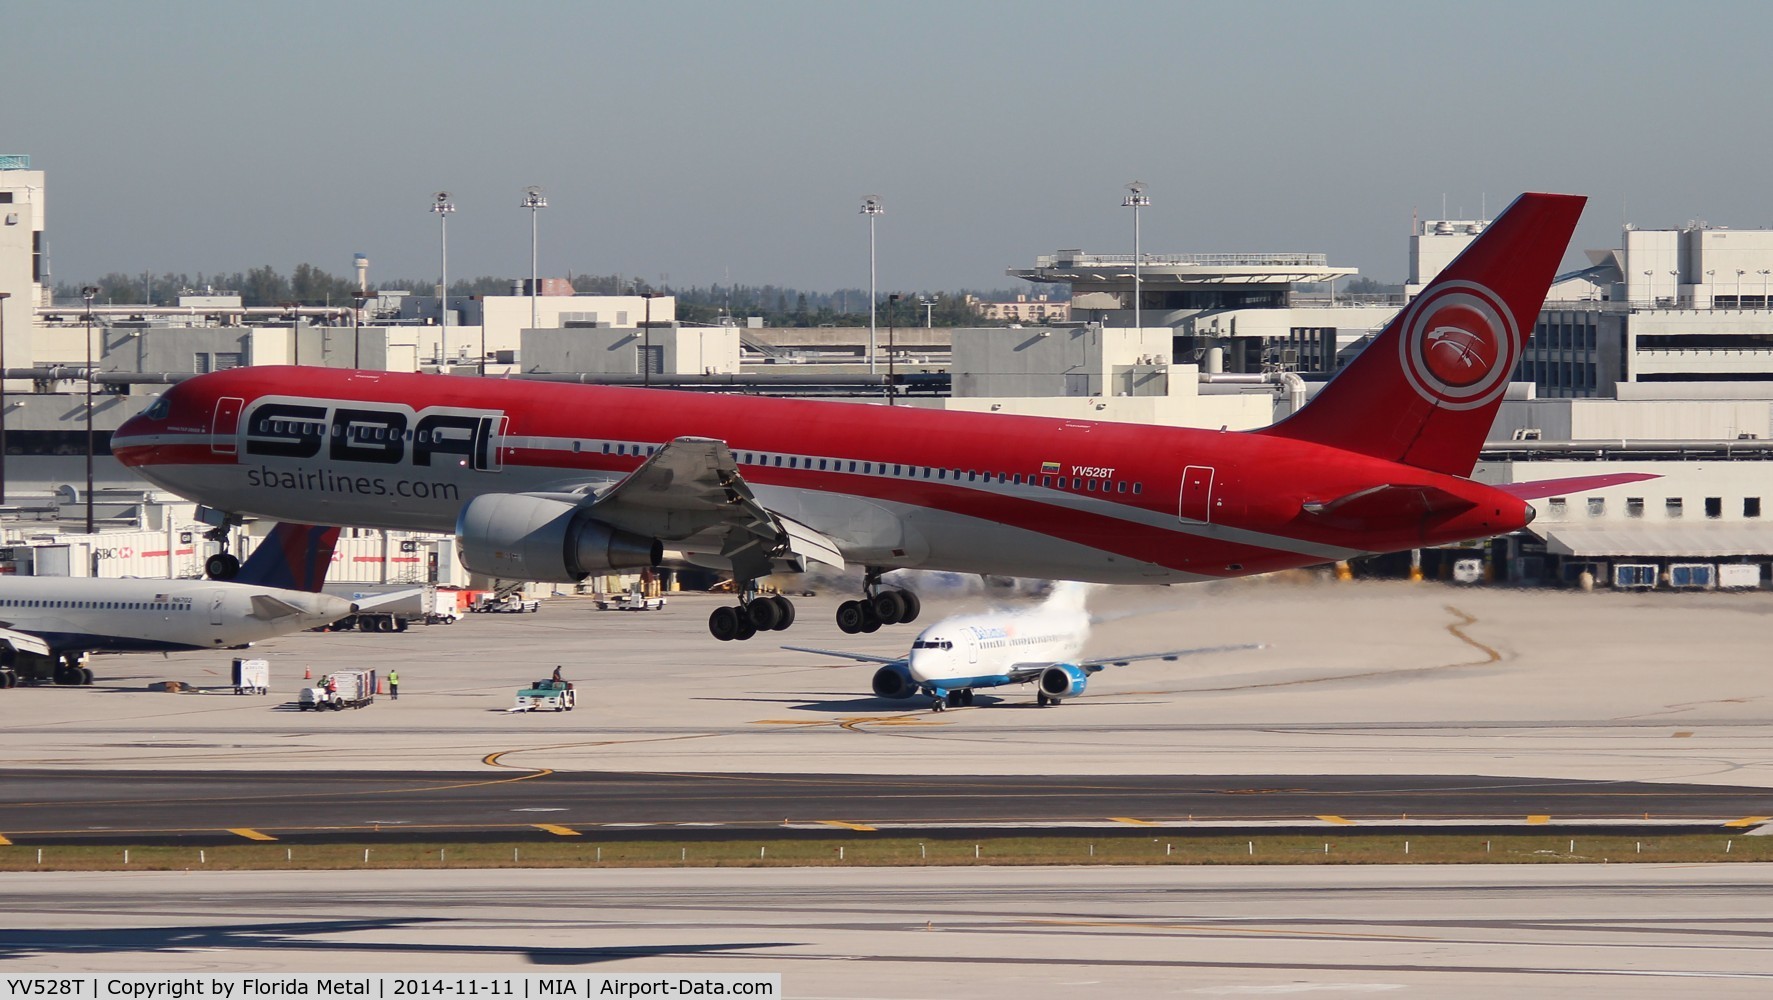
point(48, 624)
point(1042, 645)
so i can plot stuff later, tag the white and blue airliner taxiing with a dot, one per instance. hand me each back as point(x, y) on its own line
point(1041, 645)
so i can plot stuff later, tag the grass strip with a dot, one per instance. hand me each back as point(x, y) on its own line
point(1353, 849)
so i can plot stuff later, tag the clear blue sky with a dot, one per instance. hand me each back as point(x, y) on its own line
point(716, 141)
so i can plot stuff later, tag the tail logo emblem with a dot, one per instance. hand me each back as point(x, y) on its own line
point(1459, 345)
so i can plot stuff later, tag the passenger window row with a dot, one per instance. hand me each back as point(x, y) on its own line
point(898, 471)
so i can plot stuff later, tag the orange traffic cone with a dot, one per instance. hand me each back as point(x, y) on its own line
point(307, 673)
point(381, 686)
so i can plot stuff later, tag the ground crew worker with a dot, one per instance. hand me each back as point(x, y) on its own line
point(394, 685)
point(557, 676)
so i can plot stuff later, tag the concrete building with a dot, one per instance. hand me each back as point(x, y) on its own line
point(1039, 309)
point(22, 275)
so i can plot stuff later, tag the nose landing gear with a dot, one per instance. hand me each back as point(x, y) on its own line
point(223, 565)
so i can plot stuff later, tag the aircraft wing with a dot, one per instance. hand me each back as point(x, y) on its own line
point(1029, 671)
point(690, 494)
point(24, 642)
point(846, 655)
point(268, 608)
point(1097, 663)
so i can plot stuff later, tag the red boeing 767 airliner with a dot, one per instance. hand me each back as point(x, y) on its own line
point(556, 482)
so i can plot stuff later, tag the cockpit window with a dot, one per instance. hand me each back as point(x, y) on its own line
point(931, 644)
point(159, 410)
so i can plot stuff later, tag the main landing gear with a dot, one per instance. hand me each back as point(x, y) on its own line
point(753, 615)
point(880, 606)
point(223, 565)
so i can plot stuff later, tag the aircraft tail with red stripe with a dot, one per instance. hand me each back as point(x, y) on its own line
point(292, 557)
point(1426, 390)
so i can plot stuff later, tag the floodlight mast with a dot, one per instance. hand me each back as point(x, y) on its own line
point(532, 200)
point(873, 208)
point(1135, 200)
point(443, 207)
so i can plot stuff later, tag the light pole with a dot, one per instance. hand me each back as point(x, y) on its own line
point(1739, 273)
point(357, 329)
point(1136, 199)
point(1763, 273)
point(532, 200)
point(929, 312)
point(441, 205)
point(646, 353)
point(1650, 287)
point(1674, 294)
point(3, 297)
point(1709, 276)
point(873, 209)
point(89, 293)
point(892, 370)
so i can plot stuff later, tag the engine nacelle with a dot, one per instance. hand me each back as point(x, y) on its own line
point(894, 681)
point(514, 537)
point(1062, 680)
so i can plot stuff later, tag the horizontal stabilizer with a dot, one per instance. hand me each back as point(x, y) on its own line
point(268, 608)
point(1388, 503)
point(1574, 484)
point(24, 642)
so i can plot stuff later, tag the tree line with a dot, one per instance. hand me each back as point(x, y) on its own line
point(777, 305)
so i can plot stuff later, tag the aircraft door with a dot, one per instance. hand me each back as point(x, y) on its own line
point(972, 649)
point(489, 456)
point(215, 611)
point(224, 430)
point(1197, 494)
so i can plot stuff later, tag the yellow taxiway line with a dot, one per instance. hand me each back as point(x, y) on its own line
point(1538, 820)
point(557, 830)
point(1337, 820)
point(1748, 821)
point(840, 824)
point(1130, 821)
point(249, 833)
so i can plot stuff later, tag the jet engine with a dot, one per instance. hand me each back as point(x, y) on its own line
point(894, 681)
point(1062, 680)
point(512, 536)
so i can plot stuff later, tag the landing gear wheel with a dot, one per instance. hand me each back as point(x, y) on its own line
point(870, 621)
point(889, 606)
point(785, 617)
point(966, 697)
point(850, 617)
point(221, 566)
point(939, 705)
point(764, 614)
point(956, 699)
point(86, 676)
point(723, 624)
point(1041, 699)
point(747, 628)
point(912, 607)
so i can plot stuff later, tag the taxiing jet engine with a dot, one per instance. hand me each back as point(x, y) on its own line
point(893, 681)
point(1062, 680)
point(511, 536)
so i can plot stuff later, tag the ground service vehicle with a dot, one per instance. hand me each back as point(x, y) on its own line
point(347, 689)
point(546, 694)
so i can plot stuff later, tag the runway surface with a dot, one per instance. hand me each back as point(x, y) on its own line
point(1634, 931)
point(60, 806)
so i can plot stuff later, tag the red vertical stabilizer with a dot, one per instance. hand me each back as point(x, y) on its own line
point(1425, 391)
